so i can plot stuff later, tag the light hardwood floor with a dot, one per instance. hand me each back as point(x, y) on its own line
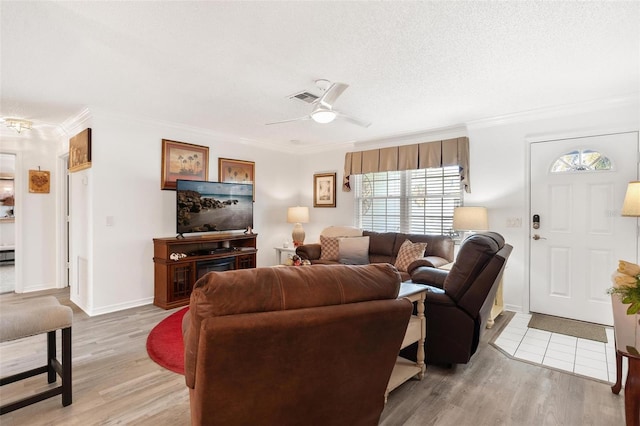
point(115, 382)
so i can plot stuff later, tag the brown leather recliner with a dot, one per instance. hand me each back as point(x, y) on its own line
point(311, 345)
point(459, 302)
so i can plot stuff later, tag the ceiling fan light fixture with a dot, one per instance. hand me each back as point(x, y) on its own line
point(323, 116)
point(18, 124)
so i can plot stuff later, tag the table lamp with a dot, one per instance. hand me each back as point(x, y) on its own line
point(298, 216)
point(470, 220)
point(631, 205)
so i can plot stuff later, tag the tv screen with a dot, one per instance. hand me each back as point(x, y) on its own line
point(213, 206)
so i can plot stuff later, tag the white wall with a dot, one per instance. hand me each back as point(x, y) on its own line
point(499, 172)
point(124, 186)
point(35, 213)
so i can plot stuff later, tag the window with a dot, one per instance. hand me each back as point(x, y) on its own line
point(412, 201)
point(582, 160)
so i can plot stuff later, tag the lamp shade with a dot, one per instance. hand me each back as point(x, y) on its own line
point(298, 215)
point(470, 219)
point(631, 205)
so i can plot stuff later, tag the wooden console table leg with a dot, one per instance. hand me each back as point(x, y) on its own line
point(616, 388)
point(632, 393)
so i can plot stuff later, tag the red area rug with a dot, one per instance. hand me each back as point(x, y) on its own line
point(165, 345)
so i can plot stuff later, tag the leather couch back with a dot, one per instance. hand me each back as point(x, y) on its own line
point(478, 266)
point(293, 345)
point(384, 246)
point(281, 288)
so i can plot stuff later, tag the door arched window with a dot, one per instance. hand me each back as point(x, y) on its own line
point(581, 160)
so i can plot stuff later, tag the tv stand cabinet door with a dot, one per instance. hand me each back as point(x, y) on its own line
point(246, 261)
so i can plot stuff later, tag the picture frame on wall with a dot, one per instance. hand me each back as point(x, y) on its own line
point(238, 171)
point(39, 181)
point(324, 190)
point(80, 151)
point(181, 160)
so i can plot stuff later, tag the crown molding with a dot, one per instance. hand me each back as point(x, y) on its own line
point(627, 101)
point(75, 124)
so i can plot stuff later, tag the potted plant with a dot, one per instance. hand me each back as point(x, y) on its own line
point(625, 298)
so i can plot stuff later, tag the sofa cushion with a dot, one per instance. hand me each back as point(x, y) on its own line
point(354, 250)
point(408, 253)
point(329, 248)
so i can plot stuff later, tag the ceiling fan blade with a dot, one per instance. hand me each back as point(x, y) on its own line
point(332, 94)
point(306, 117)
point(354, 120)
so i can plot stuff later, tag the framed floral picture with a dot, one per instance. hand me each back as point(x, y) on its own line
point(237, 171)
point(324, 190)
point(80, 151)
point(184, 161)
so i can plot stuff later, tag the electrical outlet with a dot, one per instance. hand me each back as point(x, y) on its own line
point(514, 222)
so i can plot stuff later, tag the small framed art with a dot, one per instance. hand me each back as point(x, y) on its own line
point(80, 151)
point(237, 171)
point(184, 161)
point(324, 190)
point(39, 181)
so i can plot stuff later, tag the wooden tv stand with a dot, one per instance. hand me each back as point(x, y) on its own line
point(193, 257)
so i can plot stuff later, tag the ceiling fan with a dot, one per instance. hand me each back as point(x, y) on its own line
point(323, 111)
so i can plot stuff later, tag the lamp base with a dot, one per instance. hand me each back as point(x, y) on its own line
point(297, 235)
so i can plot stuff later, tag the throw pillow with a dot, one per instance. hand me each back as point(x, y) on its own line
point(329, 248)
point(354, 250)
point(408, 253)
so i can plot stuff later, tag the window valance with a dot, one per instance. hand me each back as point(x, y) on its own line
point(425, 155)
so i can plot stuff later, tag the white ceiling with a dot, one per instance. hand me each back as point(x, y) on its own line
point(229, 67)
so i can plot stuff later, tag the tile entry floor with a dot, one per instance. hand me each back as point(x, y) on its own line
point(566, 353)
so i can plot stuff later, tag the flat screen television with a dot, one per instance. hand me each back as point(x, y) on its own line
point(213, 206)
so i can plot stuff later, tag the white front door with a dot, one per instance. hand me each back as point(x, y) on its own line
point(581, 235)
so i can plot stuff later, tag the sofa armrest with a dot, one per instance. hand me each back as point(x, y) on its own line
point(430, 261)
point(309, 251)
point(429, 276)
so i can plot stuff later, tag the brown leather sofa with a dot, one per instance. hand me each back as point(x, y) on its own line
point(312, 345)
point(384, 248)
point(459, 301)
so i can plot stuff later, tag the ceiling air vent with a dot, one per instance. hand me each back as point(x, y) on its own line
point(305, 97)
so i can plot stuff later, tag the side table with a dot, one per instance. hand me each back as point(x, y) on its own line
point(280, 250)
point(628, 346)
point(416, 332)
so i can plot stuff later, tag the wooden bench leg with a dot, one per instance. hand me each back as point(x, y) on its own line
point(66, 367)
point(51, 356)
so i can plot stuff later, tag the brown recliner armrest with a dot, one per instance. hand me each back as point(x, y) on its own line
point(429, 261)
point(429, 276)
point(309, 251)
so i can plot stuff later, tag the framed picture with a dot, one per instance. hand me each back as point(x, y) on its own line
point(237, 171)
point(80, 151)
point(324, 190)
point(39, 181)
point(185, 161)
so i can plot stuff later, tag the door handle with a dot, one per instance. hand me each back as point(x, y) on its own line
point(538, 237)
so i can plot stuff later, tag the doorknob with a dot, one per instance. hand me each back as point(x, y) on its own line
point(538, 237)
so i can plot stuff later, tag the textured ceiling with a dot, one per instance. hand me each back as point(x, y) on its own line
point(229, 66)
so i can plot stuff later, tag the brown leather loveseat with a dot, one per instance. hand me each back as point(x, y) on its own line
point(385, 246)
point(312, 345)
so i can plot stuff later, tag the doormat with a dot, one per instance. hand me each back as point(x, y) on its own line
point(583, 330)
